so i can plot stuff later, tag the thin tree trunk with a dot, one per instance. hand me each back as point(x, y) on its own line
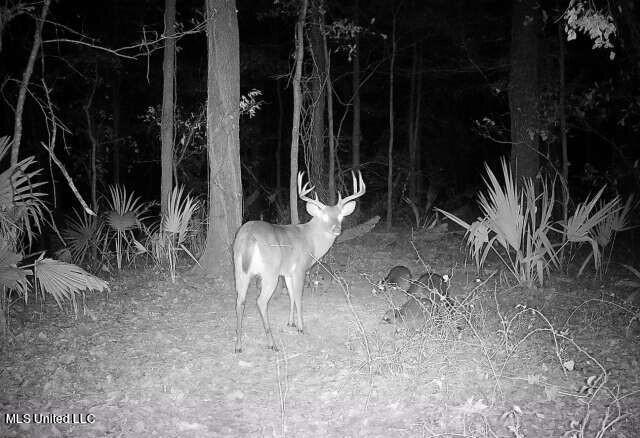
point(168, 94)
point(523, 84)
point(317, 159)
point(297, 108)
point(94, 144)
point(116, 99)
point(117, 126)
point(416, 167)
point(391, 130)
point(332, 148)
point(563, 126)
point(279, 144)
point(356, 134)
point(223, 140)
point(26, 77)
point(411, 118)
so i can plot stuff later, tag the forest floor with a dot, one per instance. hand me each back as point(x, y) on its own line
point(155, 359)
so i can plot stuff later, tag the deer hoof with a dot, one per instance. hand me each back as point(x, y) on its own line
point(237, 350)
point(273, 348)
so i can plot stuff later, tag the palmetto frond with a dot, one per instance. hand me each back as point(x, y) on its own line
point(13, 277)
point(21, 204)
point(125, 209)
point(502, 209)
point(82, 234)
point(64, 280)
point(179, 212)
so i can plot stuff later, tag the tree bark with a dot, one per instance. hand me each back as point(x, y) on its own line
point(223, 141)
point(117, 126)
point(332, 148)
point(391, 130)
point(279, 144)
point(94, 144)
point(523, 81)
point(563, 125)
point(356, 134)
point(297, 108)
point(416, 167)
point(168, 93)
point(411, 119)
point(26, 77)
point(317, 160)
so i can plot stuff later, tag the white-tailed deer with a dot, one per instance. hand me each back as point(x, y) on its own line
point(271, 250)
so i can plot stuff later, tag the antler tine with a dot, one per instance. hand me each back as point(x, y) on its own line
point(359, 188)
point(305, 189)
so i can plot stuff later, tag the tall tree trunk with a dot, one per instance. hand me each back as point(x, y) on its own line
point(411, 120)
point(279, 144)
point(168, 93)
point(563, 125)
point(523, 81)
point(297, 108)
point(332, 147)
point(356, 134)
point(116, 102)
point(317, 158)
point(416, 168)
point(116, 99)
point(26, 77)
point(391, 130)
point(94, 144)
point(223, 140)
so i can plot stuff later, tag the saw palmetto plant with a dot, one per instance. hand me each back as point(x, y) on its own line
point(84, 235)
point(22, 204)
point(170, 238)
point(22, 210)
point(125, 216)
point(517, 226)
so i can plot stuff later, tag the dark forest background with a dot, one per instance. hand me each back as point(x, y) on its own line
point(461, 52)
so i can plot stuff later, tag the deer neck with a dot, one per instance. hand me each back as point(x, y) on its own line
point(320, 237)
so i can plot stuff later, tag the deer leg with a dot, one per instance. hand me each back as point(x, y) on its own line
point(242, 283)
point(289, 284)
point(269, 284)
point(295, 284)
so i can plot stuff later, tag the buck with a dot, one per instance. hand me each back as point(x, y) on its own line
point(270, 251)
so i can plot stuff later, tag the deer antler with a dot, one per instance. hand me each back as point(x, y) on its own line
point(303, 190)
point(359, 189)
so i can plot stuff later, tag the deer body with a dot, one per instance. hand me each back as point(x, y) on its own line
point(269, 251)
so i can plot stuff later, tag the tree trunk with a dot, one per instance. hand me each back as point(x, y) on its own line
point(317, 160)
point(416, 168)
point(391, 130)
point(279, 144)
point(297, 108)
point(523, 80)
point(117, 125)
point(94, 144)
point(223, 141)
point(26, 77)
point(116, 99)
point(356, 134)
point(332, 148)
point(411, 120)
point(167, 121)
point(563, 125)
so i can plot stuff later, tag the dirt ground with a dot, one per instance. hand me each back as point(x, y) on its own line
point(155, 359)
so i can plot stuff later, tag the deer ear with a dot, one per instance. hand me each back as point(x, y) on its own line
point(314, 210)
point(348, 208)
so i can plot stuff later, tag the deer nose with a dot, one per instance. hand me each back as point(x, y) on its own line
point(336, 229)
